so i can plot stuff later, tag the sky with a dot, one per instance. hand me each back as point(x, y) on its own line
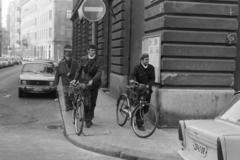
point(5, 4)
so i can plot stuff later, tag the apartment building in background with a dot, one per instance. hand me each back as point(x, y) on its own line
point(45, 28)
point(5, 42)
point(0, 28)
point(14, 28)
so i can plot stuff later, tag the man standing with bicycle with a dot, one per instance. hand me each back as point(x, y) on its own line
point(66, 70)
point(90, 72)
point(143, 73)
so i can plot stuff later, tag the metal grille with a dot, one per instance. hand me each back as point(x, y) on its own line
point(41, 83)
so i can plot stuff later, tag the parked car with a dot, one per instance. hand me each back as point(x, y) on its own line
point(217, 139)
point(10, 61)
point(15, 60)
point(18, 60)
point(37, 77)
point(43, 60)
point(4, 62)
point(1, 64)
point(46, 60)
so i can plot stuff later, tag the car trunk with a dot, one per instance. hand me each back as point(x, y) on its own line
point(202, 135)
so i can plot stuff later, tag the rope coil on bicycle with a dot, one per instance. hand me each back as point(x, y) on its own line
point(137, 92)
point(84, 91)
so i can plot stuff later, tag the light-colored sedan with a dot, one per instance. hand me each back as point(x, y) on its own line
point(10, 61)
point(37, 77)
point(1, 64)
point(217, 139)
point(4, 62)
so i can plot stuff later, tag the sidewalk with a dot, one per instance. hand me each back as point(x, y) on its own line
point(108, 138)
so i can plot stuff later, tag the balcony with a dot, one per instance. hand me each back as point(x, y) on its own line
point(19, 9)
point(19, 31)
point(25, 42)
point(18, 42)
point(19, 20)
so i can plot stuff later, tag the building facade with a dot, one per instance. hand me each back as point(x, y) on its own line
point(45, 28)
point(1, 28)
point(14, 26)
point(192, 45)
point(5, 42)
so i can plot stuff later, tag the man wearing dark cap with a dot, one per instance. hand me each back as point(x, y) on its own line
point(66, 70)
point(143, 73)
point(90, 72)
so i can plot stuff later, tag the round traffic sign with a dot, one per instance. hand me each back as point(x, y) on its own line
point(93, 10)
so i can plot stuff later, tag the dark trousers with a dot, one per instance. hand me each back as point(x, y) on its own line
point(67, 100)
point(140, 113)
point(89, 113)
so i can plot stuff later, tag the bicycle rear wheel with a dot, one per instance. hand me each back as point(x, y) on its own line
point(122, 110)
point(144, 120)
point(79, 118)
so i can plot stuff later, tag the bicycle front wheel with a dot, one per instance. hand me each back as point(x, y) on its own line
point(123, 109)
point(79, 118)
point(144, 120)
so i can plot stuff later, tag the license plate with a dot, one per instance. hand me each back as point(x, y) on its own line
point(199, 148)
point(37, 89)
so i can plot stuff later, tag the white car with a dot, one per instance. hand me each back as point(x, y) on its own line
point(1, 64)
point(37, 77)
point(4, 62)
point(217, 139)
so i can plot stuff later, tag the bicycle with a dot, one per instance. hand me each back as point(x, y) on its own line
point(133, 103)
point(76, 91)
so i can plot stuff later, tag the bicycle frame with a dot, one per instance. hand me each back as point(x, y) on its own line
point(136, 97)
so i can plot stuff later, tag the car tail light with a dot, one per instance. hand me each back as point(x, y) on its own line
point(51, 83)
point(219, 150)
point(180, 135)
point(24, 82)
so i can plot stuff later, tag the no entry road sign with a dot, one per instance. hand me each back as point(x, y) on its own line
point(93, 10)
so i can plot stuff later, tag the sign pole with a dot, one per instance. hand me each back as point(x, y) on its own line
point(94, 27)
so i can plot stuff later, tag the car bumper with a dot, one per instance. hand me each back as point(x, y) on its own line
point(38, 89)
point(186, 155)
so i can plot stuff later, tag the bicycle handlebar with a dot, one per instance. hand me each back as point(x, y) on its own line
point(135, 82)
point(79, 85)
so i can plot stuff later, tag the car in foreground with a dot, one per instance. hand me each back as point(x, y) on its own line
point(37, 77)
point(217, 139)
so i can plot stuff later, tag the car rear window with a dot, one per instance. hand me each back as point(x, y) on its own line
point(232, 112)
point(38, 68)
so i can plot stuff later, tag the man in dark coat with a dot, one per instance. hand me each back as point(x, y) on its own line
point(90, 72)
point(144, 74)
point(66, 70)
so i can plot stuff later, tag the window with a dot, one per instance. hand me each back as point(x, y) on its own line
point(50, 32)
point(50, 14)
point(69, 13)
point(68, 32)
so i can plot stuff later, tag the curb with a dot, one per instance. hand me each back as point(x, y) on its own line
point(109, 150)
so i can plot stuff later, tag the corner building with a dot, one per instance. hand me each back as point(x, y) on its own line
point(192, 44)
point(14, 28)
point(45, 28)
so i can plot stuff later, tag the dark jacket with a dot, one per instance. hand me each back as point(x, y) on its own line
point(144, 76)
point(63, 70)
point(90, 69)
